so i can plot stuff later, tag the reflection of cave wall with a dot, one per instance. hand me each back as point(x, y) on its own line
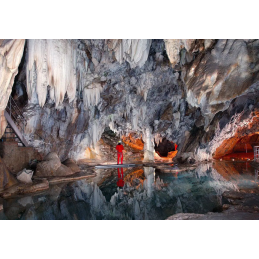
point(164, 147)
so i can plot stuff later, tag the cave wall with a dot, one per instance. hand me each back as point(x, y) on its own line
point(180, 90)
point(11, 52)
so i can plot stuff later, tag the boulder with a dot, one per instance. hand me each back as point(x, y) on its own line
point(72, 165)
point(63, 171)
point(51, 156)
point(6, 178)
point(25, 176)
point(49, 166)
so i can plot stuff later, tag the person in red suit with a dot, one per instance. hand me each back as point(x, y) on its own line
point(119, 149)
point(120, 182)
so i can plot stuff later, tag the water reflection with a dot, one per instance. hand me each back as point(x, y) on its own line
point(143, 193)
point(120, 182)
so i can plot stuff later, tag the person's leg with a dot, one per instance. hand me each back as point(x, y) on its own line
point(118, 156)
point(121, 158)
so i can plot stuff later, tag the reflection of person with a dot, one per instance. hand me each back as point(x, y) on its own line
point(119, 149)
point(120, 182)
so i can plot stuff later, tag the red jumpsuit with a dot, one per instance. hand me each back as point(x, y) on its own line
point(119, 149)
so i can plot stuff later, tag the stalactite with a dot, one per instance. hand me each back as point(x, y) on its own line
point(134, 51)
point(55, 63)
point(91, 94)
point(11, 52)
point(173, 48)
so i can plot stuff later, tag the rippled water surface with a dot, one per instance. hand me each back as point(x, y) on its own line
point(136, 193)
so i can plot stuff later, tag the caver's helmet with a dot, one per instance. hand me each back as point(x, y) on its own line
point(119, 142)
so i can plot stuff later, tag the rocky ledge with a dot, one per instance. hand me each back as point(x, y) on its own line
point(242, 205)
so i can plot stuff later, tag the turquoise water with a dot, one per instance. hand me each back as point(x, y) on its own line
point(146, 193)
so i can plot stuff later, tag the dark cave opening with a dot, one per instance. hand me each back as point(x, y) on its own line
point(164, 147)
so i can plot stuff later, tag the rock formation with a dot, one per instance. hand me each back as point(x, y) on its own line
point(51, 166)
point(179, 90)
point(6, 178)
point(11, 52)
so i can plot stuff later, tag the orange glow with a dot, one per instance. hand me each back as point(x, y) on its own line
point(169, 157)
point(239, 156)
point(240, 146)
point(138, 174)
point(91, 154)
point(135, 143)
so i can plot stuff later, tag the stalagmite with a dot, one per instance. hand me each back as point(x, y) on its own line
point(148, 146)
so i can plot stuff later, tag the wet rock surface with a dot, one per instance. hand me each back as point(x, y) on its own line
point(20, 189)
point(241, 206)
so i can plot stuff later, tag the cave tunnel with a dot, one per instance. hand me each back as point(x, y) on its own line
point(164, 148)
point(238, 148)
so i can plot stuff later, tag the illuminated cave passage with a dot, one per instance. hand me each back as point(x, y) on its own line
point(238, 148)
point(165, 147)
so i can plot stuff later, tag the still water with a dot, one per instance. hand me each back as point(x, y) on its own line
point(139, 193)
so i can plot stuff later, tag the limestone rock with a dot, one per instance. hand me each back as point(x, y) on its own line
point(51, 156)
point(173, 48)
point(70, 163)
point(49, 166)
point(132, 50)
point(11, 52)
point(25, 176)
point(6, 178)
point(63, 171)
